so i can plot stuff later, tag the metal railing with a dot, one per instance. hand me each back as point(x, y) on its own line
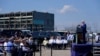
point(41, 52)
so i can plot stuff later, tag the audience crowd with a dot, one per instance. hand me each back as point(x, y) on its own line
point(25, 46)
point(18, 46)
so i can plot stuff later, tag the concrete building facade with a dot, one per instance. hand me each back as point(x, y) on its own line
point(32, 20)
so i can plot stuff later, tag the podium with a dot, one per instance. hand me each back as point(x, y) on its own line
point(81, 49)
point(79, 38)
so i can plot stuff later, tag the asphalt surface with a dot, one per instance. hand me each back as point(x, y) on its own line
point(47, 52)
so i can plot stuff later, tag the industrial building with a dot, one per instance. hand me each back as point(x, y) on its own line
point(32, 20)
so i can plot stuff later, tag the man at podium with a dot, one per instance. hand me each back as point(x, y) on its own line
point(84, 31)
point(81, 32)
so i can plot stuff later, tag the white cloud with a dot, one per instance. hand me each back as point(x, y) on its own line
point(64, 9)
point(67, 8)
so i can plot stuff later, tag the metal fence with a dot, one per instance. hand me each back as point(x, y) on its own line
point(41, 51)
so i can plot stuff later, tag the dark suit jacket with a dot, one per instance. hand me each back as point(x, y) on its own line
point(84, 28)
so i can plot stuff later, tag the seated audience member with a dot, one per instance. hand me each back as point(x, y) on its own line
point(64, 42)
point(5, 46)
point(30, 42)
point(9, 47)
point(45, 42)
point(25, 48)
point(58, 42)
point(51, 42)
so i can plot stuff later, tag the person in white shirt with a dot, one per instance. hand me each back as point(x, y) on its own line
point(51, 42)
point(97, 38)
point(21, 44)
point(70, 38)
point(64, 42)
point(25, 48)
point(30, 40)
point(58, 42)
point(5, 46)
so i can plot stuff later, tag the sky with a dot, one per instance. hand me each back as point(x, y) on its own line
point(67, 13)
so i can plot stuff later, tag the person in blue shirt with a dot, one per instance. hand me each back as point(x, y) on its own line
point(9, 47)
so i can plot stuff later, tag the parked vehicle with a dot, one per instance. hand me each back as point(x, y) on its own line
point(40, 35)
point(10, 33)
point(27, 33)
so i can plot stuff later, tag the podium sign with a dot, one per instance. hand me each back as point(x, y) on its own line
point(81, 49)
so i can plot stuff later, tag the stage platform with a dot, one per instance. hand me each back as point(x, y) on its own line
point(81, 49)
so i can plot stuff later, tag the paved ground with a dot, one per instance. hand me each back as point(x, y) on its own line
point(47, 52)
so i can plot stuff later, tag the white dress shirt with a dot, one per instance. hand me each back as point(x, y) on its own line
point(70, 37)
point(58, 41)
point(64, 41)
point(5, 45)
point(51, 41)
